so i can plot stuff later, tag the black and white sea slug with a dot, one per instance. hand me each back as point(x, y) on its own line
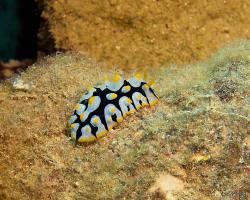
point(102, 108)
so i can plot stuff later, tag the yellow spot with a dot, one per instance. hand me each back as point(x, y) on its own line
point(117, 78)
point(88, 139)
point(101, 134)
point(96, 121)
point(78, 106)
point(82, 116)
point(113, 95)
point(91, 100)
point(145, 75)
point(127, 88)
point(89, 88)
point(112, 126)
point(72, 125)
point(144, 104)
point(132, 111)
point(138, 107)
point(120, 119)
point(138, 76)
point(112, 110)
point(129, 101)
point(146, 86)
point(151, 83)
point(154, 102)
point(139, 96)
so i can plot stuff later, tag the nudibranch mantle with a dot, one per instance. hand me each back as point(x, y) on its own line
point(102, 108)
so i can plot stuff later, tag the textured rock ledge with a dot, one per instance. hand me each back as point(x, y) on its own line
point(197, 136)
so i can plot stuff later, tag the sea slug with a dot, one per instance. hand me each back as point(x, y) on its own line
point(102, 108)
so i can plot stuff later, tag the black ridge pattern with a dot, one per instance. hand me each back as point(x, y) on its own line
point(104, 102)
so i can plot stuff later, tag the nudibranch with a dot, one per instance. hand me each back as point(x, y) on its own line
point(102, 108)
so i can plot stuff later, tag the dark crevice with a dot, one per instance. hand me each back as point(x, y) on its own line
point(24, 35)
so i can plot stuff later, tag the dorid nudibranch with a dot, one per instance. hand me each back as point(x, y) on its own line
point(102, 108)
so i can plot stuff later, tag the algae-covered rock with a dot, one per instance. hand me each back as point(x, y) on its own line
point(198, 135)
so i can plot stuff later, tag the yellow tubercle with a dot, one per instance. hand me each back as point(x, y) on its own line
point(117, 78)
point(138, 107)
point(131, 111)
point(91, 100)
point(154, 102)
point(129, 101)
point(127, 88)
point(138, 76)
point(145, 75)
point(78, 106)
point(101, 134)
point(89, 139)
point(112, 110)
point(112, 126)
point(82, 116)
point(119, 119)
point(73, 126)
point(96, 121)
point(114, 95)
point(89, 87)
point(151, 83)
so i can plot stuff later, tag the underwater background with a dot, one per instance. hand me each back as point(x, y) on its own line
point(194, 144)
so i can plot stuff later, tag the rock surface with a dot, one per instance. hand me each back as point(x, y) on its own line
point(198, 134)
